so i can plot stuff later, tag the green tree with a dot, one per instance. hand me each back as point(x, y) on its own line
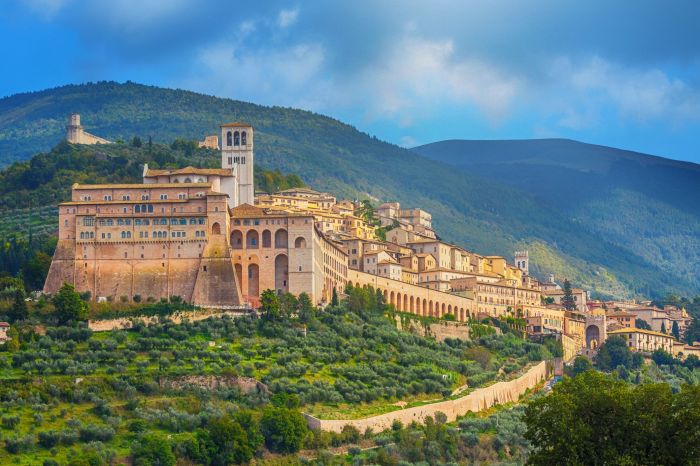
point(568, 300)
point(642, 324)
point(136, 142)
point(69, 306)
point(306, 308)
point(663, 327)
point(152, 450)
point(594, 419)
point(18, 311)
point(14, 343)
point(334, 298)
point(581, 365)
point(227, 442)
point(270, 305)
point(288, 304)
point(35, 270)
point(283, 428)
point(676, 331)
point(614, 352)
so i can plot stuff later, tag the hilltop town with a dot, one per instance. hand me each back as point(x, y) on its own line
point(208, 237)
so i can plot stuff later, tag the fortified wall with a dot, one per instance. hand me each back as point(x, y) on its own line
point(478, 400)
point(416, 299)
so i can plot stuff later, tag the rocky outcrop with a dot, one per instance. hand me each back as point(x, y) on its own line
point(247, 385)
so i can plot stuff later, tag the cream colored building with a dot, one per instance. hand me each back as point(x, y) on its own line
point(645, 341)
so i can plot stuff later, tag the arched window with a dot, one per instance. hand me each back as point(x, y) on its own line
point(244, 138)
point(236, 139)
point(228, 139)
point(137, 209)
point(300, 243)
point(150, 208)
point(216, 229)
point(188, 180)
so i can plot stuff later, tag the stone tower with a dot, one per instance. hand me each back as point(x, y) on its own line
point(74, 130)
point(237, 154)
point(522, 261)
point(75, 134)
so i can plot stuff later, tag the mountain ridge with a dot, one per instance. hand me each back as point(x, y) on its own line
point(482, 213)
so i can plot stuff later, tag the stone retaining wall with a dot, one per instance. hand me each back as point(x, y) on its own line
point(478, 400)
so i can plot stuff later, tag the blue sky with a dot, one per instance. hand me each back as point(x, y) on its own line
point(624, 74)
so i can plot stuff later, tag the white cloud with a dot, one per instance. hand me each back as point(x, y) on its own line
point(287, 18)
point(422, 75)
point(283, 76)
point(641, 95)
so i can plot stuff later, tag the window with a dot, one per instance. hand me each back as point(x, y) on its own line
point(89, 221)
point(236, 139)
point(126, 198)
point(230, 160)
point(244, 138)
point(201, 221)
point(107, 198)
point(144, 197)
point(182, 196)
point(163, 197)
point(228, 139)
point(137, 209)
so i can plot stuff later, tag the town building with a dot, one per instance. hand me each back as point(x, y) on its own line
point(645, 341)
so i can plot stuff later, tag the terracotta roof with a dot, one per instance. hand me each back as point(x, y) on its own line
point(245, 210)
point(236, 124)
point(190, 171)
point(4, 324)
point(141, 186)
point(639, 330)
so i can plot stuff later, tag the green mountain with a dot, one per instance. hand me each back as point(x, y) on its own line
point(488, 214)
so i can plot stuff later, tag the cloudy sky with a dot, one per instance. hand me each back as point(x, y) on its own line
point(619, 73)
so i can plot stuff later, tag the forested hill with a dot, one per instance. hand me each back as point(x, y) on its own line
point(487, 214)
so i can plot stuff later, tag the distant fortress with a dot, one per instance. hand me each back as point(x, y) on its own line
point(75, 134)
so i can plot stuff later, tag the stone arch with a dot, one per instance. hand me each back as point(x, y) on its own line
point(266, 239)
point(282, 273)
point(391, 298)
point(449, 309)
point(386, 296)
point(253, 280)
point(398, 301)
point(411, 304)
point(252, 240)
point(424, 308)
point(188, 180)
point(216, 228)
point(430, 308)
point(236, 138)
point(592, 337)
point(244, 138)
point(229, 138)
point(281, 238)
point(442, 309)
point(236, 239)
point(300, 242)
point(404, 307)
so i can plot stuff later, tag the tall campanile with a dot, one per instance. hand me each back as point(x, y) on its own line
point(237, 154)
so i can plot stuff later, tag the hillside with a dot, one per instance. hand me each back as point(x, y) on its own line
point(491, 216)
point(648, 205)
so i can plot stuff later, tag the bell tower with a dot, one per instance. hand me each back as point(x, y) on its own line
point(522, 261)
point(237, 154)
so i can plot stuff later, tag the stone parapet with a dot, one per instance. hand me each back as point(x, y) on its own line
point(478, 400)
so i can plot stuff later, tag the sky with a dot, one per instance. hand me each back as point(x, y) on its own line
point(618, 73)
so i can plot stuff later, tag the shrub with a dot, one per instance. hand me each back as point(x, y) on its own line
point(283, 429)
point(152, 450)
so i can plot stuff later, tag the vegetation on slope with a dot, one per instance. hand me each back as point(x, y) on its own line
point(73, 394)
point(484, 215)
